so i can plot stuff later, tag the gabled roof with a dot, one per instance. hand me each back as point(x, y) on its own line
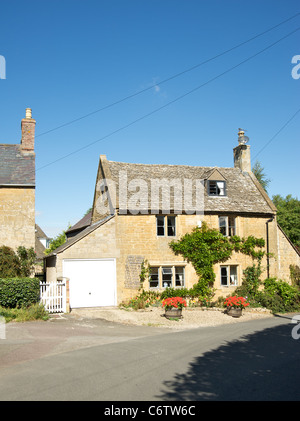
point(79, 236)
point(243, 193)
point(16, 166)
point(83, 223)
point(39, 233)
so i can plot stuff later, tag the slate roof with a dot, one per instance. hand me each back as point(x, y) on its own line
point(80, 225)
point(16, 166)
point(244, 193)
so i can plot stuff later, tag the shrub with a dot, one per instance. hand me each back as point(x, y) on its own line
point(295, 275)
point(9, 263)
point(172, 292)
point(143, 300)
point(19, 292)
point(18, 264)
point(279, 296)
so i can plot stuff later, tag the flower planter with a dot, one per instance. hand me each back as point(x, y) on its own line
point(173, 313)
point(234, 312)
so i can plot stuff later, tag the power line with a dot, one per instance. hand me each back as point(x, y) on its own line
point(276, 134)
point(168, 79)
point(170, 102)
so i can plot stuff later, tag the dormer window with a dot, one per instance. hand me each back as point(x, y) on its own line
point(216, 188)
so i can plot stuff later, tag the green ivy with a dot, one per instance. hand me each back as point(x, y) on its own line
point(204, 247)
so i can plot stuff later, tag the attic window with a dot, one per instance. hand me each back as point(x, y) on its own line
point(216, 188)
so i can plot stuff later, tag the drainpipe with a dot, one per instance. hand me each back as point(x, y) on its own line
point(268, 259)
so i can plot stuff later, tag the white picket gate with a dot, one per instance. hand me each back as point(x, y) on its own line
point(53, 296)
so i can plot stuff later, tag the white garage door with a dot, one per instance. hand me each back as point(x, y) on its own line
point(92, 282)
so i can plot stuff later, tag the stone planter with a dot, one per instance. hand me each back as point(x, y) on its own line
point(173, 313)
point(234, 312)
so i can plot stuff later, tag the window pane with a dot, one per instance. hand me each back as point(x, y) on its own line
point(212, 187)
point(154, 278)
point(179, 276)
point(171, 226)
point(167, 277)
point(233, 275)
point(231, 226)
point(224, 278)
point(160, 224)
point(220, 188)
point(222, 225)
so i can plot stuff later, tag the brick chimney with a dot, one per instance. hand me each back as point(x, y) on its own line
point(241, 153)
point(28, 130)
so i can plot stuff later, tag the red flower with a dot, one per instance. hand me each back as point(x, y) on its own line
point(236, 302)
point(174, 302)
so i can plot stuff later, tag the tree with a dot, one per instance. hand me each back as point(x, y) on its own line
point(288, 216)
point(57, 241)
point(258, 171)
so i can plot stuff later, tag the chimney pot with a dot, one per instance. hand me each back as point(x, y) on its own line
point(241, 153)
point(28, 113)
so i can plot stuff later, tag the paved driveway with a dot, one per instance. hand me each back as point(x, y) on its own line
point(88, 359)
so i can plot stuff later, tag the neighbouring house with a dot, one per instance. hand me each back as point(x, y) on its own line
point(138, 209)
point(17, 188)
point(42, 241)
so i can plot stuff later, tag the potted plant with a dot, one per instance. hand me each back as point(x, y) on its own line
point(235, 305)
point(173, 307)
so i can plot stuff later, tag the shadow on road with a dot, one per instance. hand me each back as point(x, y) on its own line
point(261, 366)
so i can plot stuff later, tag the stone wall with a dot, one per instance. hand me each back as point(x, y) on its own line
point(131, 239)
point(17, 216)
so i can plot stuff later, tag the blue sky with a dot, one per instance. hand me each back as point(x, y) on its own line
point(66, 59)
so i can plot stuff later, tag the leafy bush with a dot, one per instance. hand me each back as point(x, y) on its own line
point(143, 300)
point(279, 296)
point(295, 275)
point(18, 264)
point(172, 292)
point(9, 263)
point(251, 281)
point(19, 292)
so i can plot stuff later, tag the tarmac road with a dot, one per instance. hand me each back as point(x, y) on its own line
point(66, 359)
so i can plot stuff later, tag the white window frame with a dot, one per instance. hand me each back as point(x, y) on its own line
point(166, 226)
point(231, 275)
point(175, 271)
point(228, 225)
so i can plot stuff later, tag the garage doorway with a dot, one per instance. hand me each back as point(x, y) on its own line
point(92, 282)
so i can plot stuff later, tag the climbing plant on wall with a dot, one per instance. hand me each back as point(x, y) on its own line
point(205, 246)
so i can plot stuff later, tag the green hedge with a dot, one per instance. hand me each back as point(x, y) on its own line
point(19, 292)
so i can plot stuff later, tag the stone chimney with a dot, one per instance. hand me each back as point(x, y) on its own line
point(241, 153)
point(28, 130)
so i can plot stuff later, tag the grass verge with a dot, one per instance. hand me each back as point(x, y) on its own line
point(34, 312)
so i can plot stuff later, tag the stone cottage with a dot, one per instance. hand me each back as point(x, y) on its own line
point(17, 188)
point(138, 209)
